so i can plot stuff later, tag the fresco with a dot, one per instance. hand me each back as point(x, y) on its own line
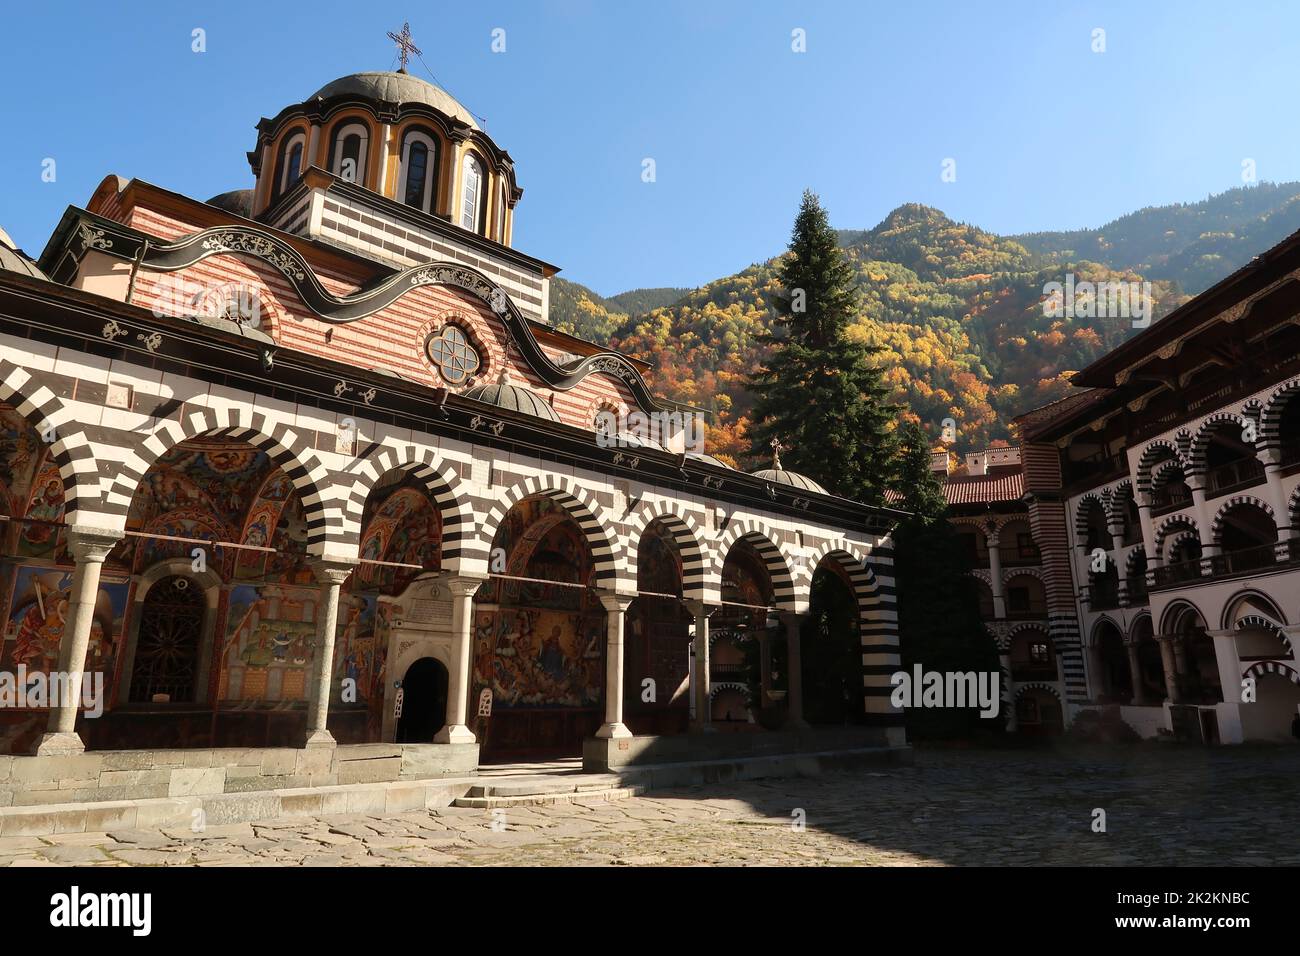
point(404, 528)
point(361, 647)
point(269, 645)
point(37, 539)
point(540, 644)
point(38, 613)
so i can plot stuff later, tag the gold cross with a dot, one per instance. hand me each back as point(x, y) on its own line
point(404, 45)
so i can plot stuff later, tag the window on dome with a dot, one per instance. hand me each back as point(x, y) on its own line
point(349, 160)
point(291, 162)
point(457, 360)
point(418, 185)
point(472, 201)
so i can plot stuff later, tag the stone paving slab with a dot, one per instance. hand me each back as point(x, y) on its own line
point(1164, 806)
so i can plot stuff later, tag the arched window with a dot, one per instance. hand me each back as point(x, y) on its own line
point(502, 209)
point(417, 184)
point(471, 205)
point(348, 155)
point(291, 155)
point(167, 650)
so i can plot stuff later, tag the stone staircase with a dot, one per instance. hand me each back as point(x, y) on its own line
point(547, 789)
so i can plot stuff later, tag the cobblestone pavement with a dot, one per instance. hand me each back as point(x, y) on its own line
point(1164, 806)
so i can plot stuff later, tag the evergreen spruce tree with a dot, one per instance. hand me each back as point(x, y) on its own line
point(938, 604)
point(821, 395)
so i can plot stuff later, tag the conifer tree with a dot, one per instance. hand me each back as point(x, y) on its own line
point(822, 395)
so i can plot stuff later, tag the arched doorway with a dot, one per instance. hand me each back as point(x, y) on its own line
point(744, 650)
point(1195, 660)
point(831, 650)
point(657, 639)
point(1151, 668)
point(424, 702)
point(165, 665)
point(539, 637)
point(1113, 683)
point(1038, 712)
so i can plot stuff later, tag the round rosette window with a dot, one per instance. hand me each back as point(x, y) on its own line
point(450, 350)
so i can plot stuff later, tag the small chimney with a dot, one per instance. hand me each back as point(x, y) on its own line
point(940, 461)
point(977, 463)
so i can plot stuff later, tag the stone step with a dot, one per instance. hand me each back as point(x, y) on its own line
point(544, 785)
point(581, 798)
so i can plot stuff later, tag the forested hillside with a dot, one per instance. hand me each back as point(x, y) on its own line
point(959, 310)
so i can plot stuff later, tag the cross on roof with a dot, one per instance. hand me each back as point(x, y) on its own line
point(404, 45)
point(777, 448)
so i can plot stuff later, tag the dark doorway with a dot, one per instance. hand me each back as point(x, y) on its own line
point(424, 702)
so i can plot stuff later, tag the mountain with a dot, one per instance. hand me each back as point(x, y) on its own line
point(959, 310)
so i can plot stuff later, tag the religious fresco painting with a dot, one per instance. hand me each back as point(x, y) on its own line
point(658, 635)
point(539, 644)
point(268, 648)
point(38, 613)
point(400, 527)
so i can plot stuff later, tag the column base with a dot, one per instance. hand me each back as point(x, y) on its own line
point(60, 745)
point(458, 734)
point(320, 738)
point(613, 731)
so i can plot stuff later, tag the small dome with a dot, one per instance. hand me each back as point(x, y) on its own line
point(513, 398)
point(389, 87)
point(792, 478)
point(238, 201)
point(707, 460)
point(13, 260)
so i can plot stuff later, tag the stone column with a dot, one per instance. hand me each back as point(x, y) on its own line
point(1172, 689)
point(331, 575)
point(794, 664)
point(381, 176)
point(1135, 673)
point(764, 667)
point(1277, 497)
point(995, 577)
point(457, 729)
point(1203, 521)
point(615, 606)
point(703, 721)
point(89, 547)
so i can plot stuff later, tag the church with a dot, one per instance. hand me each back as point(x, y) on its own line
point(305, 466)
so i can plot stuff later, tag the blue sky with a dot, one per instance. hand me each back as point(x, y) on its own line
point(1046, 133)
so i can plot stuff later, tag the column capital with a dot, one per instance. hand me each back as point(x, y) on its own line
point(331, 571)
point(92, 544)
point(699, 608)
point(614, 600)
point(464, 585)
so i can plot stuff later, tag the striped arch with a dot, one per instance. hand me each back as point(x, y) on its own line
point(1261, 623)
point(1132, 635)
point(1038, 685)
point(1261, 668)
point(1096, 626)
point(784, 594)
point(1081, 512)
point(1119, 495)
point(696, 558)
point(983, 574)
point(440, 479)
point(1131, 558)
point(1168, 526)
point(1231, 503)
point(1196, 456)
point(716, 687)
point(607, 547)
point(1025, 572)
point(44, 410)
point(1031, 626)
point(877, 623)
point(1270, 421)
point(236, 422)
point(1161, 472)
point(1149, 459)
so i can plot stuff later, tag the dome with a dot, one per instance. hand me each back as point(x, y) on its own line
point(238, 201)
point(792, 478)
point(400, 88)
point(513, 398)
point(13, 260)
point(707, 460)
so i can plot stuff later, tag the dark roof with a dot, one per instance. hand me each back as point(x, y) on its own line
point(238, 201)
point(512, 398)
point(391, 87)
point(13, 259)
point(1002, 485)
point(791, 478)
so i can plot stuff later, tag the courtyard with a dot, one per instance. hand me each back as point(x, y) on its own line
point(1163, 805)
